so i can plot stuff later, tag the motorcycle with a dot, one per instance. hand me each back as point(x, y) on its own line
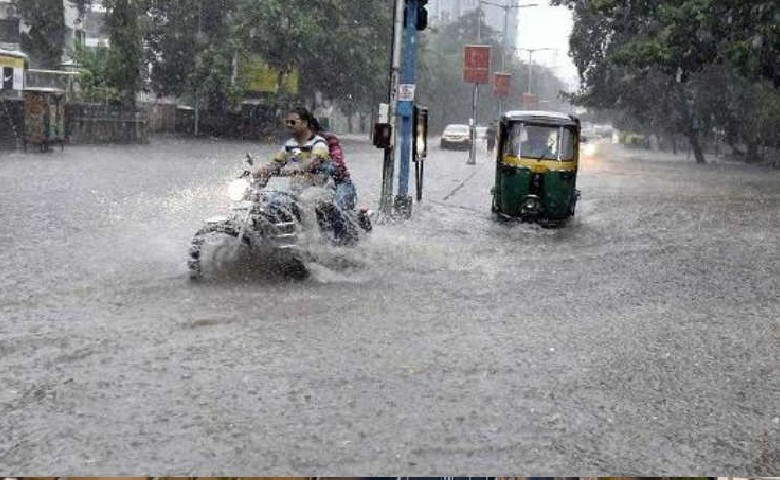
point(271, 217)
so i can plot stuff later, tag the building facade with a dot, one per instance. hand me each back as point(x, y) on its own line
point(87, 29)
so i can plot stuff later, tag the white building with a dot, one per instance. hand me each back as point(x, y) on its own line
point(87, 29)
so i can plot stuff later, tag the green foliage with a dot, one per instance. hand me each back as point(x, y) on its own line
point(283, 32)
point(687, 66)
point(45, 40)
point(93, 78)
point(350, 63)
point(125, 55)
point(340, 47)
point(191, 48)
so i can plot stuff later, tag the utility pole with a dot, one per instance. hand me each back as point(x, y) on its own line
point(385, 200)
point(472, 160)
point(506, 8)
point(416, 19)
point(530, 62)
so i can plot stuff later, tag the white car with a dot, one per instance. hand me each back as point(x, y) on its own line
point(456, 136)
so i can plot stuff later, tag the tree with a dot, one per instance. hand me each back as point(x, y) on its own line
point(125, 54)
point(639, 56)
point(93, 77)
point(45, 40)
point(350, 64)
point(340, 47)
point(191, 49)
point(283, 32)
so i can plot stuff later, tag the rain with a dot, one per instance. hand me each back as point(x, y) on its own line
point(639, 336)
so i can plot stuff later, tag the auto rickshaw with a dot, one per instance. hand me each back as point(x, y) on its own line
point(536, 167)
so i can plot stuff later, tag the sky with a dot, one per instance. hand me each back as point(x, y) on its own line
point(546, 26)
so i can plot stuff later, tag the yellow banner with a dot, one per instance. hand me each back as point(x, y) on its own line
point(259, 77)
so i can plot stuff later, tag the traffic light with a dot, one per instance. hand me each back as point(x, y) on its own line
point(422, 15)
point(419, 133)
point(383, 135)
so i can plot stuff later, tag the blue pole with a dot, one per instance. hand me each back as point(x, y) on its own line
point(405, 108)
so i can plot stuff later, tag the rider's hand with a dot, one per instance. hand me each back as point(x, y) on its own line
point(312, 165)
point(261, 172)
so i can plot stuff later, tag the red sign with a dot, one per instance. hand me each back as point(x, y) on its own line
point(476, 64)
point(502, 84)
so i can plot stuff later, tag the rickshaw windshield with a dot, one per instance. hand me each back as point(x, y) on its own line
point(543, 142)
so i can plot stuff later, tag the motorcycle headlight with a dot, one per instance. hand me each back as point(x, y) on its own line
point(589, 149)
point(237, 189)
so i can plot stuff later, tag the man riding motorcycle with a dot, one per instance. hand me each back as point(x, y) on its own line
point(307, 153)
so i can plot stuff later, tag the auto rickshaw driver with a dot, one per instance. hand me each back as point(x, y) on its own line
point(535, 142)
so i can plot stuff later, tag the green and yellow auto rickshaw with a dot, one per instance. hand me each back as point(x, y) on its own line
point(536, 167)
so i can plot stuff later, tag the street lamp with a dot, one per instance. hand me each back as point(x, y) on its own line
point(531, 60)
point(506, 8)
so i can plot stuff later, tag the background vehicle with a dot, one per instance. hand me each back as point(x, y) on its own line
point(456, 136)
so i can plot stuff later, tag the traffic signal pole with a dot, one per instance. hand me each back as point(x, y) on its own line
point(386, 197)
point(405, 102)
point(410, 16)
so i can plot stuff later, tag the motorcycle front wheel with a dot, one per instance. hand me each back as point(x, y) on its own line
point(215, 249)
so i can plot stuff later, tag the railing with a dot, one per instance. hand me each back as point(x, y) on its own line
point(89, 123)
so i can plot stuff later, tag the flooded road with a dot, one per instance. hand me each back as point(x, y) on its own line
point(638, 339)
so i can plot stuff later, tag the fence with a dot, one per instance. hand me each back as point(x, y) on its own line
point(11, 124)
point(90, 123)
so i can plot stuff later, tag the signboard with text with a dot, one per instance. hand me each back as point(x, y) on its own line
point(502, 84)
point(476, 64)
point(406, 92)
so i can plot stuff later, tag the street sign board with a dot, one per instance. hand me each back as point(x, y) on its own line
point(406, 92)
point(502, 85)
point(476, 64)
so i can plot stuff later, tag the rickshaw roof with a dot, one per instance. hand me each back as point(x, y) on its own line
point(555, 118)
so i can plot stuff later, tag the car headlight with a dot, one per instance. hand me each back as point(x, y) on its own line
point(237, 189)
point(589, 149)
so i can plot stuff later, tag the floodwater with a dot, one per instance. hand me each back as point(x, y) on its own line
point(641, 338)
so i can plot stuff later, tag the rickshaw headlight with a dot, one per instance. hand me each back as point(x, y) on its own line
point(531, 203)
point(237, 189)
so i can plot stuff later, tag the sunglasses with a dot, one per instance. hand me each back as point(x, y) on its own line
point(292, 123)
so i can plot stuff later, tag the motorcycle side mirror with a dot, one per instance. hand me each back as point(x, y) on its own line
point(249, 159)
